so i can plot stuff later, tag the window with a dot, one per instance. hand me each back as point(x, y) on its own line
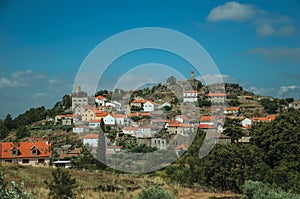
point(25, 161)
point(41, 160)
point(8, 161)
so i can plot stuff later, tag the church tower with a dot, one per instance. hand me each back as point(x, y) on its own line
point(192, 76)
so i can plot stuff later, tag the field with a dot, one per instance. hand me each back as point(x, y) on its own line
point(99, 184)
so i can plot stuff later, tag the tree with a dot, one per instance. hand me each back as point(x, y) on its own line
point(62, 185)
point(234, 103)
point(270, 106)
point(233, 128)
point(279, 141)
point(67, 101)
point(8, 122)
point(154, 192)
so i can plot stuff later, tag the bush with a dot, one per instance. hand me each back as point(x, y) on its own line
point(259, 190)
point(154, 192)
point(16, 191)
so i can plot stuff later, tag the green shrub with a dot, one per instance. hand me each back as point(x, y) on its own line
point(154, 192)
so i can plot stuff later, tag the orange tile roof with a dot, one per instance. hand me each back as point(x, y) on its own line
point(118, 115)
point(216, 94)
point(190, 91)
point(206, 118)
point(248, 96)
point(139, 101)
point(206, 126)
point(232, 108)
point(24, 149)
point(91, 136)
point(179, 125)
point(182, 146)
point(101, 114)
point(100, 97)
point(95, 121)
point(139, 114)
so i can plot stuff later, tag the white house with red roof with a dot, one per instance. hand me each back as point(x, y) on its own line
point(218, 98)
point(129, 130)
point(179, 128)
point(190, 96)
point(100, 100)
point(94, 124)
point(91, 140)
point(149, 106)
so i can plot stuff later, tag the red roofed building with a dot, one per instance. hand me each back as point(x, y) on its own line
point(190, 96)
point(217, 97)
point(25, 153)
point(179, 128)
point(206, 119)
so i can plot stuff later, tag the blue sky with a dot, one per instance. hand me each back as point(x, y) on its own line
point(43, 43)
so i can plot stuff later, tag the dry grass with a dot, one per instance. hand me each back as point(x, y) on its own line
point(92, 184)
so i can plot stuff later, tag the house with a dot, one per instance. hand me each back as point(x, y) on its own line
point(231, 110)
point(159, 143)
point(130, 130)
point(217, 98)
point(65, 119)
point(190, 96)
point(206, 127)
point(146, 131)
point(113, 150)
point(79, 129)
point(245, 139)
point(148, 106)
point(100, 100)
point(138, 102)
point(90, 140)
point(218, 138)
point(295, 104)
point(25, 153)
point(109, 120)
point(90, 114)
point(105, 108)
point(179, 128)
point(94, 124)
point(246, 123)
point(182, 119)
point(119, 118)
point(209, 120)
point(268, 118)
point(80, 109)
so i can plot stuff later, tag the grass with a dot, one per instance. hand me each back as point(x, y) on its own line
point(97, 184)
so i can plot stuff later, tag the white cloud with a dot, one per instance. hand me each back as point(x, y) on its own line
point(17, 79)
point(216, 78)
point(231, 11)
point(265, 23)
point(277, 54)
point(264, 28)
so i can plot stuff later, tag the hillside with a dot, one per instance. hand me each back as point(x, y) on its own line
point(99, 184)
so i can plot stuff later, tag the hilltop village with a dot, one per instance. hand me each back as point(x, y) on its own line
point(164, 117)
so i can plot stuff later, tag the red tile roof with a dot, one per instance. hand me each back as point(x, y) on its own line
point(118, 115)
point(182, 146)
point(216, 94)
point(179, 125)
point(206, 126)
point(232, 108)
point(24, 149)
point(100, 97)
point(91, 136)
point(190, 91)
point(206, 118)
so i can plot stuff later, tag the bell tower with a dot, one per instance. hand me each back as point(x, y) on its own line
point(192, 76)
